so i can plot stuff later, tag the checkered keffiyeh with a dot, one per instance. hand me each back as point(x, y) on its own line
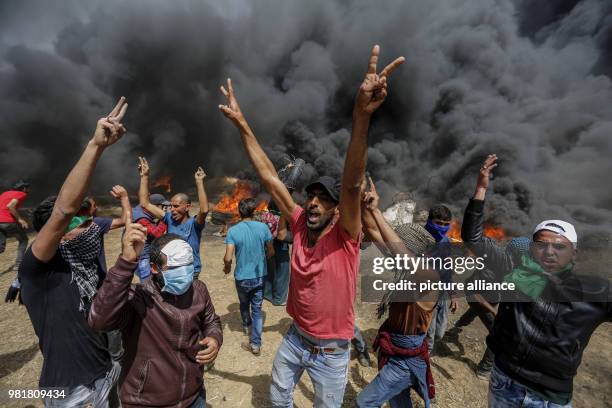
point(81, 253)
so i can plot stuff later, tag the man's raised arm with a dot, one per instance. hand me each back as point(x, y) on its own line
point(143, 191)
point(370, 96)
point(264, 167)
point(121, 194)
point(202, 198)
point(108, 130)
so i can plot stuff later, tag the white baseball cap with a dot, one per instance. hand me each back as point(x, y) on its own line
point(563, 228)
point(178, 253)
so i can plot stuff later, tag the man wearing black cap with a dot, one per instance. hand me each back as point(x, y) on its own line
point(325, 253)
point(13, 224)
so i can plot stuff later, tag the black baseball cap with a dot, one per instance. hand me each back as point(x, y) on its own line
point(157, 199)
point(329, 184)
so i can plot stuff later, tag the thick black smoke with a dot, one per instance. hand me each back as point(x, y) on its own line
point(530, 82)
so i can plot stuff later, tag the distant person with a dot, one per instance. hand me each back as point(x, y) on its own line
point(178, 219)
point(251, 242)
point(156, 227)
point(13, 224)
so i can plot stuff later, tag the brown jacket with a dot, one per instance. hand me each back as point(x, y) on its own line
point(160, 335)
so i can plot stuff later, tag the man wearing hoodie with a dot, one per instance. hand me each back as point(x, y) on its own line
point(168, 324)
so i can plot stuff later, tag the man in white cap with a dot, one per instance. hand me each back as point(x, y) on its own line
point(168, 323)
point(540, 335)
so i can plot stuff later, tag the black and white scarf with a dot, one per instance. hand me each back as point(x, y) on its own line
point(81, 253)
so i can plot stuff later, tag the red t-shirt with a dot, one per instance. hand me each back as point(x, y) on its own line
point(323, 281)
point(5, 200)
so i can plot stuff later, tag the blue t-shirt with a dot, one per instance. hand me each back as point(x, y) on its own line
point(191, 232)
point(250, 239)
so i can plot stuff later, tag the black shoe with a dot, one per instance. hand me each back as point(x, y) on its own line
point(364, 358)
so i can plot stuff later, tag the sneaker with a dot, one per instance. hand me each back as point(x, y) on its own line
point(256, 350)
point(364, 358)
point(245, 330)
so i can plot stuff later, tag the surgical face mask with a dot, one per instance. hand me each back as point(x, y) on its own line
point(437, 231)
point(178, 280)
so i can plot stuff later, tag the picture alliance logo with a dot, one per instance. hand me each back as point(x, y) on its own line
point(412, 264)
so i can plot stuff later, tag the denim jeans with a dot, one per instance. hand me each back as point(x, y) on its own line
point(96, 394)
point(276, 285)
point(504, 392)
point(250, 295)
point(13, 229)
point(200, 402)
point(439, 321)
point(328, 372)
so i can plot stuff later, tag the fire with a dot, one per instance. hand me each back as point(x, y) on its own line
point(229, 203)
point(163, 182)
point(490, 231)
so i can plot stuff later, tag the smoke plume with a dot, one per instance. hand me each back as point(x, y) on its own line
point(527, 80)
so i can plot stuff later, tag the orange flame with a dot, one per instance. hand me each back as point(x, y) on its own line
point(229, 203)
point(490, 231)
point(163, 182)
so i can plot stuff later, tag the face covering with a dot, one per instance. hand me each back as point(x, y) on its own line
point(178, 280)
point(77, 222)
point(437, 231)
point(81, 254)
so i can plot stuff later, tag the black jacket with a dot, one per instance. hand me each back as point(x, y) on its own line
point(539, 343)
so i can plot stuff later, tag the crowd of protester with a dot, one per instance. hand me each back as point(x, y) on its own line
point(111, 342)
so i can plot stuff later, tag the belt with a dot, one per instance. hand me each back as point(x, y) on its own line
point(314, 349)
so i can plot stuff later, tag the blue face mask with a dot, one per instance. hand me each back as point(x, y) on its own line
point(437, 231)
point(178, 280)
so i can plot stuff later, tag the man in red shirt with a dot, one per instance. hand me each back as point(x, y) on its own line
point(325, 254)
point(13, 224)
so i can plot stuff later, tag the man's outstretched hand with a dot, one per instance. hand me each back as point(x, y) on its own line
point(110, 129)
point(485, 172)
point(119, 192)
point(373, 89)
point(143, 166)
point(133, 241)
point(232, 109)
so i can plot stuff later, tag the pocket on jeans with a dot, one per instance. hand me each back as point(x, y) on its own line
point(337, 362)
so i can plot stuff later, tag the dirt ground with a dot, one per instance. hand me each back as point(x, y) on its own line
point(240, 379)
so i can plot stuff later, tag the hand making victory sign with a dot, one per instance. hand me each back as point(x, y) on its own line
point(110, 129)
point(373, 89)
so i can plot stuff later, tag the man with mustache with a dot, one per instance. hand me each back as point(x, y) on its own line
point(59, 279)
point(325, 253)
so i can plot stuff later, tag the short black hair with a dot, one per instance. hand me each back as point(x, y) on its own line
point(246, 207)
point(43, 212)
point(440, 212)
point(155, 250)
point(183, 197)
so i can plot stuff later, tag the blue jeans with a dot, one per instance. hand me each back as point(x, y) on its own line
point(276, 285)
point(200, 402)
point(504, 392)
point(328, 372)
point(439, 321)
point(394, 382)
point(96, 394)
point(250, 295)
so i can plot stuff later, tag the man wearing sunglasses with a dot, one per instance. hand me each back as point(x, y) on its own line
point(538, 338)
